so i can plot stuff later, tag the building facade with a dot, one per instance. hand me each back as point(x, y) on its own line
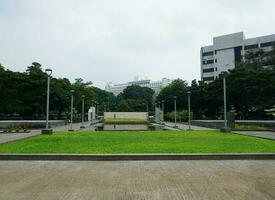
point(227, 51)
point(116, 89)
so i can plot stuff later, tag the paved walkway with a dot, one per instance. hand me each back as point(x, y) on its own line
point(262, 134)
point(76, 126)
point(86, 180)
point(185, 127)
point(9, 137)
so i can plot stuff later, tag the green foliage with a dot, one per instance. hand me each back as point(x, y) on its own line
point(138, 92)
point(23, 95)
point(177, 88)
point(250, 90)
point(182, 116)
point(140, 142)
point(239, 127)
point(131, 105)
point(135, 99)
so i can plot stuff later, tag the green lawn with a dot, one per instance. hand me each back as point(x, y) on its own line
point(125, 121)
point(249, 128)
point(140, 142)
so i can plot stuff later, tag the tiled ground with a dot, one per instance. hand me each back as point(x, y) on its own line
point(67, 180)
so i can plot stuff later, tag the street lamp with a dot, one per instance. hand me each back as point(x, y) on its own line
point(162, 111)
point(72, 105)
point(175, 104)
point(96, 110)
point(189, 110)
point(83, 98)
point(225, 129)
point(47, 130)
point(108, 104)
point(156, 113)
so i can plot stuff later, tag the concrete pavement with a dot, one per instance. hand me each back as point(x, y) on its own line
point(182, 126)
point(261, 134)
point(86, 180)
point(9, 137)
point(76, 127)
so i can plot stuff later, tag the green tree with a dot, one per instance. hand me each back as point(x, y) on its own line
point(177, 88)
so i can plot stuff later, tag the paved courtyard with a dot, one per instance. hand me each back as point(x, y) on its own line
point(185, 126)
point(262, 134)
point(67, 180)
point(9, 137)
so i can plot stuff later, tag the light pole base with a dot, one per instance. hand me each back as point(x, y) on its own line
point(225, 130)
point(71, 130)
point(47, 131)
point(175, 126)
point(82, 127)
point(189, 129)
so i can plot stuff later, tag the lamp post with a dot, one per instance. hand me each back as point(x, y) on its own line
point(95, 104)
point(93, 111)
point(189, 110)
point(175, 105)
point(47, 130)
point(83, 113)
point(72, 105)
point(162, 111)
point(224, 103)
point(108, 104)
point(96, 110)
point(156, 113)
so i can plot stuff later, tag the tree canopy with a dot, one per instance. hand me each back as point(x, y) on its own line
point(250, 90)
point(23, 95)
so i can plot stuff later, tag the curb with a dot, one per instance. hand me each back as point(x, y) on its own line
point(135, 157)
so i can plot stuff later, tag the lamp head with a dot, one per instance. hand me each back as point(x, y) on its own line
point(72, 91)
point(189, 92)
point(48, 71)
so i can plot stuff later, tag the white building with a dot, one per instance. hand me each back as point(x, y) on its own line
point(227, 51)
point(155, 85)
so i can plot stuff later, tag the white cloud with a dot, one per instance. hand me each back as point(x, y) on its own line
point(110, 40)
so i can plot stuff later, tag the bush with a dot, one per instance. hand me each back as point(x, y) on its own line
point(182, 116)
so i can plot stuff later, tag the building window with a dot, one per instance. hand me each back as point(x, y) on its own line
point(216, 60)
point(206, 62)
point(210, 53)
point(253, 46)
point(267, 44)
point(208, 70)
point(208, 78)
point(210, 61)
point(216, 69)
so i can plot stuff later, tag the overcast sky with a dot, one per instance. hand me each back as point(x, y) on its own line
point(115, 40)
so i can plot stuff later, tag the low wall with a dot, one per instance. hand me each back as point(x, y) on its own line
point(217, 124)
point(123, 127)
point(126, 115)
point(30, 123)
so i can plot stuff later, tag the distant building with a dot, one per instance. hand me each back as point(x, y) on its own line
point(227, 50)
point(116, 89)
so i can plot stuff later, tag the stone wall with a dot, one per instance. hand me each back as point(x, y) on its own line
point(217, 124)
point(30, 123)
point(126, 115)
